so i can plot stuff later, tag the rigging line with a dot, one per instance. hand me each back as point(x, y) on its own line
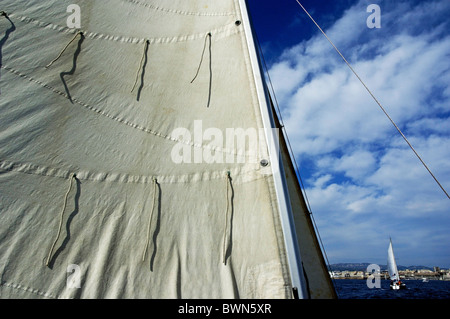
point(147, 42)
point(64, 49)
point(72, 177)
point(297, 170)
point(210, 66)
point(226, 232)
point(201, 59)
point(376, 100)
point(150, 219)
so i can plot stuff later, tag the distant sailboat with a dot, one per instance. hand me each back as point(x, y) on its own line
point(393, 271)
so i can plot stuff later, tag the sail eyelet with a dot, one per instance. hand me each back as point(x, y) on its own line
point(264, 162)
point(238, 22)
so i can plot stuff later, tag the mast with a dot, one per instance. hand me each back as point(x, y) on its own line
point(286, 215)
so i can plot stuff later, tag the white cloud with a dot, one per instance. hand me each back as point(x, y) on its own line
point(356, 165)
point(366, 183)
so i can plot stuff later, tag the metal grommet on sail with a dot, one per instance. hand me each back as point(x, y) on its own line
point(238, 22)
point(264, 162)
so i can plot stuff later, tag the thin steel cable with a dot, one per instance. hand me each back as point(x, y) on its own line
point(376, 100)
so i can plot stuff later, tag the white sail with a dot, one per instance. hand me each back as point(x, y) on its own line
point(392, 265)
point(137, 158)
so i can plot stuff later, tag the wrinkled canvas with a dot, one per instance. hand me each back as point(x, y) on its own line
point(134, 223)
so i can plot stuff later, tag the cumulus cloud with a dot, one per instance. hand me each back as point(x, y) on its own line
point(363, 182)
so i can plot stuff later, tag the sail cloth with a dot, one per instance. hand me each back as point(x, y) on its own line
point(391, 263)
point(114, 180)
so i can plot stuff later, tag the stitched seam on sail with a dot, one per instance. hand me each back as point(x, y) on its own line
point(174, 11)
point(28, 289)
point(245, 175)
point(221, 32)
point(251, 158)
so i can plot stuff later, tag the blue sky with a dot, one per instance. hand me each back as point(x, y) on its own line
point(363, 182)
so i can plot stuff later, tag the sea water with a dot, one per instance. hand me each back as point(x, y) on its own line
point(416, 289)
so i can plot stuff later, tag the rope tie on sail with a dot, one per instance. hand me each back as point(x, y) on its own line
point(140, 69)
point(226, 237)
point(155, 186)
point(72, 177)
point(376, 100)
point(79, 33)
point(208, 36)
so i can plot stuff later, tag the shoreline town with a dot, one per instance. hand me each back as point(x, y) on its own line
point(407, 274)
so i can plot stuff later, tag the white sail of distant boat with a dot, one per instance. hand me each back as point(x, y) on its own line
point(392, 269)
point(392, 265)
point(122, 174)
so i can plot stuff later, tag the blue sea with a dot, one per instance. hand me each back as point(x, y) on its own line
point(416, 289)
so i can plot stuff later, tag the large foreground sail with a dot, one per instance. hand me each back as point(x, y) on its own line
point(136, 157)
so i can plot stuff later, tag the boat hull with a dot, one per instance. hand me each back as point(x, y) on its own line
point(397, 285)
